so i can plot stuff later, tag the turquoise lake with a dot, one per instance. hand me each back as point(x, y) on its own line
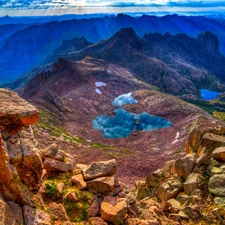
point(208, 95)
point(124, 122)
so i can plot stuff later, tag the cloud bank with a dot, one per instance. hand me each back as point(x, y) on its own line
point(43, 4)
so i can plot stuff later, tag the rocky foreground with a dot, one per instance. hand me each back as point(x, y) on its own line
point(46, 186)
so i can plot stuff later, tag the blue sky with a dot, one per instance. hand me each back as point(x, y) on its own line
point(48, 7)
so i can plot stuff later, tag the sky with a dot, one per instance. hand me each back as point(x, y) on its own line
point(56, 7)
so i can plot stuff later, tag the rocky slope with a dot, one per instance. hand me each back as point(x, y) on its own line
point(189, 190)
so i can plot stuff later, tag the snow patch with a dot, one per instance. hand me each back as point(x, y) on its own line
point(100, 84)
point(176, 138)
point(98, 91)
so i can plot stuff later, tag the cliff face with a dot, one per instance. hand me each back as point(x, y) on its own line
point(20, 163)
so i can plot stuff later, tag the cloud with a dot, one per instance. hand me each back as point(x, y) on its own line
point(44, 4)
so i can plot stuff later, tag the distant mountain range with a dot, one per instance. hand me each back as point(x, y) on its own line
point(24, 46)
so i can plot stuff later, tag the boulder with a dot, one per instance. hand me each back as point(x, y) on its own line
point(71, 196)
point(60, 187)
point(15, 110)
point(35, 216)
point(12, 186)
point(219, 154)
point(57, 166)
point(113, 210)
point(203, 160)
point(194, 181)
point(154, 179)
point(78, 180)
point(95, 207)
point(212, 141)
point(136, 221)
point(192, 211)
point(219, 200)
point(103, 185)
point(100, 169)
point(175, 205)
point(5, 214)
point(57, 212)
point(52, 151)
point(185, 166)
point(201, 126)
point(16, 213)
point(216, 185)
point(169, 189)
point(96, 221)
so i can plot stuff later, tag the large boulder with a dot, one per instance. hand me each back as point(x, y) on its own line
point(100, 169)
point(20, 163)
point(154, 179)
point(15, 110)
point(57, 212)
point(185, 166)
point(105, 185)
point(216, 185)
point(113, 210)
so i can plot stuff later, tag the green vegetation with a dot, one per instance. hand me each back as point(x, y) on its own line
point(51, 189)
point(97, 145)
point(76, 210)
point(52, 123)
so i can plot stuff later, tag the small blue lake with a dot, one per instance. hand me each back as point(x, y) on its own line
point(208, 95)
point(124, 122)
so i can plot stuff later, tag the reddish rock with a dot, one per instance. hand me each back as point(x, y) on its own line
point(96, 221)
point(79, 181)
point(57, 212)
point(71, 196)
point(60, 187)
point(15, 110)
point(103, 185)
point(113, 210)
point(94, 208)
point(100, 169)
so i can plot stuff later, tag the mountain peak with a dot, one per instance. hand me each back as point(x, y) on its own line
point(127, 31)
point(209, 43)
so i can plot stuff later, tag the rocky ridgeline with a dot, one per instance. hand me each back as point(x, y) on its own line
point(190, 190)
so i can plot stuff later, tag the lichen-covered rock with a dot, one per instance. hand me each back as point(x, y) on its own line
point(154, 179)
point(185, 166)
point(201, 126)
point(100, 169)
point(113, 210)
point(57, 166)
point(79, 181)
point(219, 154)
point(169, 189)
point(15, 110)
point(216, 185)
point(57, 212)
point(35, 216)
point(193, 181)
point(105, 185)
